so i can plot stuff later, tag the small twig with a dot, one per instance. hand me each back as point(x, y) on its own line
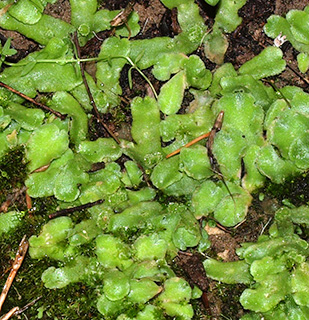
point(28, 201)
point(264, 227)
point(20, 255)
point(239, 224)
point(145, 176)
point(42, 106)
point(298, 74)
point(205, 135)
point(10, 313)
point(220, 226)
point(11, 198)
point(205, 302)
point(78, 208)
point(94, 106)
point(213, 161)
point(272, 84)
point(28, 305)
point(185, 253)
point(5, 9)
point(122, 17)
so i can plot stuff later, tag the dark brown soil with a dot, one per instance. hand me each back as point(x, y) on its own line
point(245, 42)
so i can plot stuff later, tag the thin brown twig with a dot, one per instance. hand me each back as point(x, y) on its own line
point(11, 198)
point(205, 302)
point(122, 17)
point(31, 303)
point(5, 9)
point(94, 106)
point(40, 105)
point(78, 208)
point(20, 255)
point(213, 161)
point(205, 135)
point(298, 74)
point(8, 315)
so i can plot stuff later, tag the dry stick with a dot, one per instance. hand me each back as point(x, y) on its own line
point(97, 114)
point(11, 198)
point(10, 314)
point(211, 139)
point(5, 9)
point(272, 84)
point(94, 106)
point(20, 255)
point(42, 106)
point(205, 302)
point(78, 208)
point(298, 74)
point(205, 135)
point(28, 305)
point(209, 144)
point(122, 17)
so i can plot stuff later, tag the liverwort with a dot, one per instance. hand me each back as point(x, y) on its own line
point(268, 63)
point(112, 252)
point(171, 94)
point(75, 271)
point(228, 272)
point(145, 132)
point(150, 247)
point(66, 104)
point(82, 14)
point(175, 298)
point(258, 298)
point(122, 252)
point(100, 150)
point(46, 28)
point(45, 144)
point(143, 290)
point(29, 119)
point(303, 62)
point(116, 285)
point(26, 11)
point(52, 241)
point(227, 16)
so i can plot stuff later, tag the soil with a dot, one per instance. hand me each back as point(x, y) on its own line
point(219, 301)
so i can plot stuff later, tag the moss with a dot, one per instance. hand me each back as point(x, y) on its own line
point(120, 114)
point(295, 190)
point(199, 311)
point(229, 295)
point(72, 302)
point(166, 200)
point(13, 171)
point(44, 206)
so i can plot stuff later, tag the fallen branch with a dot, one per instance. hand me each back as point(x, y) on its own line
point(94, 106)
point(20, 255)
point(40, 105)
point(205, 135)
point(78, 208)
